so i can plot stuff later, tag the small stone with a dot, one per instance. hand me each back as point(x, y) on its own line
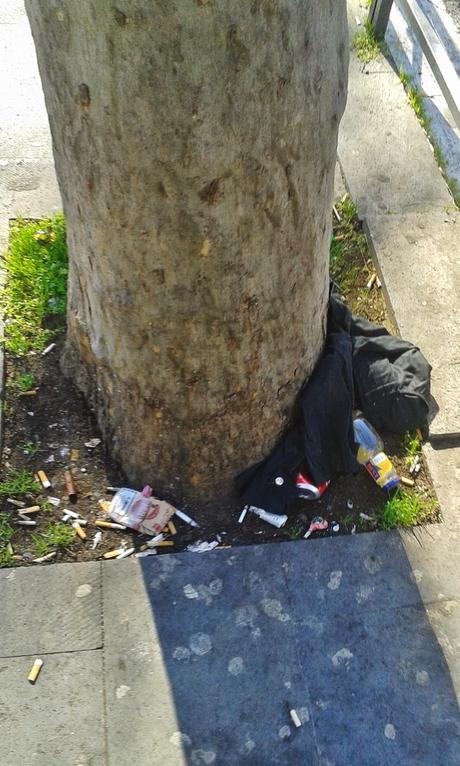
point(390, 731)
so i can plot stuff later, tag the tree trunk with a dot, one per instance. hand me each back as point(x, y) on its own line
point(195, 143)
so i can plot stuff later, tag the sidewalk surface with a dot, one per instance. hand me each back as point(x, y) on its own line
point(195, 659)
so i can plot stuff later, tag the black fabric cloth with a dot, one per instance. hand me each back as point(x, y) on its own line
point(322, 434)
point(391, 376)
point(362, 367)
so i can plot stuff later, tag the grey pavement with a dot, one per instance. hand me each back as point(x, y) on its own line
point(195, 659)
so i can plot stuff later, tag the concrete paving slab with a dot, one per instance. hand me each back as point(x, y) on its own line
point(213, 647)
point(213, 664)
point(381, 690)
point(51, 609)
point(59, 720)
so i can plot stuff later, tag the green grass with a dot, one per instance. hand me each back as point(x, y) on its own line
point(18, 483)
point(56, 536)
point(6, 533)
point(36, 282)
point(295, 531)
point(412, 446)
point(366, 45)
point(347, 240)
point(29, 448)
point(23, 381)
point(404, 510)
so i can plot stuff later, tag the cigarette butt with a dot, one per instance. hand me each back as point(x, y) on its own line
point(186, 518)
point(295, 718)
point(113, 554)
point(54, 501)
point(371, 281)
point(112, 489)
point(80, 532)
point(172, 528)
point(164, 544)
point(12, 501)
point(48, 349)
point(243, 514)
point(32, 392)
point(10, 549)
point(127, 552)
point(104, 505)
point(82, 522)
point(407, 482)
point(70, 486)
point(222, 547)
point(30, 509)
point(35, 670)
point(45, 558)
point(337, 214)
point(378, 282)
point(74, 455)
point(108, 525)
point(26, 523)
point(45, 482)
point(69, 513)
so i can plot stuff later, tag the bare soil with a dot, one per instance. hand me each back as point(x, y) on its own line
point(46, 430)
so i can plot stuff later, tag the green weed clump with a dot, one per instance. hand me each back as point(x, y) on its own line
point(18, 483)
point(412, 446)
point(23, 381)
point(347, 240)
point(404, 510)
point(366, 45)
point(56, 536)
point(36, 282)
point(6, 533)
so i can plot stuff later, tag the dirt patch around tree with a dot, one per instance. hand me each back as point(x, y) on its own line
point(48, 429)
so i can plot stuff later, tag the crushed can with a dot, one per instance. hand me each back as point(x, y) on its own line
point(306, 489)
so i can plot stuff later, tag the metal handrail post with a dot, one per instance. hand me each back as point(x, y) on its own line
point(379, 14)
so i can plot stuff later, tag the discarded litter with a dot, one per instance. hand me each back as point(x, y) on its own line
point(353, 529)
point(127, 552)
point(295, 718)
point(70, 486)
point(35, 670)
point(104, 505)
point(74, 455)
point(275, 519)
point(140, 511)
point(93, 443)
point(407, 482)
point(108, 525)
point(42, 559)
point(186, 518)
point(54, 501)
point(29, 509)
point(69, 513)
point(48, 349)
point(142, 554)
point(26, 523)
point(307, 489)
point(371, 281)
point(113, 554)
point(50, 459)
point(172, 528)
point(202, 547)
point(365, 517)
point(96, 540)
point(371, 455)
point(12, 501)
point(242, 515)
point(80, 532)
point(43, 479)
point(350, 505)
point(155, 540)
point(317, 524)
point(335, 527)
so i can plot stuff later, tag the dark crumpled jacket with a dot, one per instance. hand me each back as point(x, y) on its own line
point(363, 367)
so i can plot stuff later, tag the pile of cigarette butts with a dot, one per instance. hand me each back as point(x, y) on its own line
point(129, 510)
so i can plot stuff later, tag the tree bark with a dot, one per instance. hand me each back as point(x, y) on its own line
point(195, 144)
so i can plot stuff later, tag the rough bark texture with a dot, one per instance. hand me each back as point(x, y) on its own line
point(195, 143)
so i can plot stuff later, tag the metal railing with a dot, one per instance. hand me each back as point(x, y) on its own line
point(436, 55)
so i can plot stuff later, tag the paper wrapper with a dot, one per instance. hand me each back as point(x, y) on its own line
point(147, 515)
